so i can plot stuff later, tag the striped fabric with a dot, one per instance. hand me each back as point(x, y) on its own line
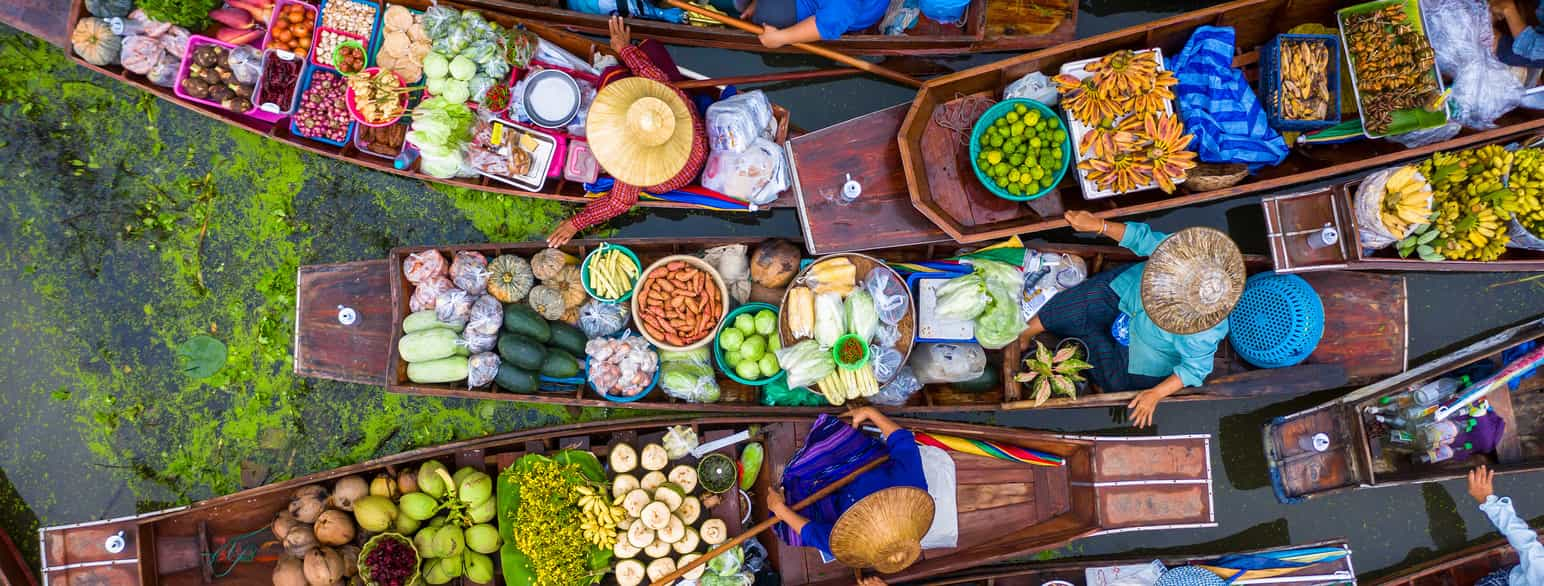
point(1219, 107)
point(990, 449)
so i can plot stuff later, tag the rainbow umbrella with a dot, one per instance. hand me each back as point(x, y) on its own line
point(989, 448)
point(1010, 251)
point(1256, 566)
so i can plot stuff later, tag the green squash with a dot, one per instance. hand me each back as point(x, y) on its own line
point(95, 42)
point(109, 8)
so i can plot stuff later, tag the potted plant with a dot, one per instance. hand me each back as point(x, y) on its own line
point(1047, 374)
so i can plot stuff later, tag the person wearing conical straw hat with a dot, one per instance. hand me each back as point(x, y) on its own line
point(1153, 326)
point(875, 521)
point(643, 132)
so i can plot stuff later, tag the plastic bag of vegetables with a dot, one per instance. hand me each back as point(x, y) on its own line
point(440, 129)
point(830, 319)
point(687, 376)
point(962, 297)
point(862, 318)
point(805, 363)
point(1000, 323)
point(599, 319)
point(438, 20)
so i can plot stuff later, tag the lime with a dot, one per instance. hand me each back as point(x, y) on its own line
point(997, 141)
point(766, 322)
point(985, 138)
point(1037, 173)
point(1059, 135)
point(1056, 153)
point(994, 157)
point(1000, 122)
point(1011, 117)
point(1020, 108)
point(748, 370)
point(1013, 175)
point(731, 339)
point(1033, 117)
point(1016, 129)
point(1000, 169)
point(1016, 160)
point(1035, 142)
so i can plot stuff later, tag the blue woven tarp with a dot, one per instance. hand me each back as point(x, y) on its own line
point(1219, 107)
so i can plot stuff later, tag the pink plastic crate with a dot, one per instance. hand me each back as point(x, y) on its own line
point(580, 164)
point(194, 42)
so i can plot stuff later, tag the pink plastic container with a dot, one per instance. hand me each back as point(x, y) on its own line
point(353, 110)
point(580, 164)
point(279, 6)
point(187, 60)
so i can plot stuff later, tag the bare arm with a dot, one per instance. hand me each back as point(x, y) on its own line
point(803, 32)
point(1086, 222)
point(1145, 404)
point(874, 416)
point(780, 509)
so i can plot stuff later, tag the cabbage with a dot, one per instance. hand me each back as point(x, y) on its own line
point(436, 85)
point(479, 87)
point(962, 297)
point(830, 322)
point(737, 579)
point(457, 91)
point(436, 65)
point(862, 318)
point(442, 167)
point(462, 68)
point(728, 563)
point(1001, 323)
point(440, 128)
point(805, 363)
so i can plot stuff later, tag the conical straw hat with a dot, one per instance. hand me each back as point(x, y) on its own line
point(640, 131)
point(1192, 280)
point(883, 530)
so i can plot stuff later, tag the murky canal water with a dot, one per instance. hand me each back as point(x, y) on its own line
point(129, 225)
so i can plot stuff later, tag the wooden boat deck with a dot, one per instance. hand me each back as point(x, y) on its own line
point(1109, 484)
point(1074, 571)
point(1461, 568)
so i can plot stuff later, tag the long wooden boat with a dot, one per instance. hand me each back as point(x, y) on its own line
point(1461, 567)
point(1087, 571)
point(14, 569)
point(1356, 458)
point(1291, 219)
point(988, 26)
point(1006, 509)
point(558, 189)
point(1366, 313)
point(916, 175)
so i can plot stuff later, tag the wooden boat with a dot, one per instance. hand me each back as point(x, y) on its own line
point(916, 177)
point(1006, 509)
point(1366, 313)
point(14, 569)
point(1076, 571)
point(1356, 458)
point(1292, 218)
point(556, 188)
point(1459, 568)
point(988, 25)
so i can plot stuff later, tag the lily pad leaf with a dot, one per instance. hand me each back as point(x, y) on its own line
point(201, 356)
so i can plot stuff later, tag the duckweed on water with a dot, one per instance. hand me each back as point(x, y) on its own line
point(132, 226)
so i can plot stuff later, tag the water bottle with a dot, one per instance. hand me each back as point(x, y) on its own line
point(1438, 433)
point(1437, 454)
point(1433, 392)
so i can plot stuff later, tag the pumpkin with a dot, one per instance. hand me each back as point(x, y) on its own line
point(109, 8)
point(569, 283)
point(548, 302)
point(95, 42)
point(510, 278)
point(546, 264)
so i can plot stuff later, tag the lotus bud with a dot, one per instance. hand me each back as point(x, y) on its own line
point(482, 538)
point(449, 543)
point(347, 490)
point(407, 482)
point(475, 488)
point(307, 503)
point(350, 555)
point(418, 505)
point(375, 513)
point(333, 528)
point(324, 566)
point(290, 571)
point(300, 541)
point(283, 523)
point(479, 567)
point(407, 525)
point(383, 485)
point(429, 480)
point(484, 512)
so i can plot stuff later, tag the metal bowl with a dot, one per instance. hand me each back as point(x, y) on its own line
point(567, 84)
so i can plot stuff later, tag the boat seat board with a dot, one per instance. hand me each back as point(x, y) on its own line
point(125, 575)
point(1509, 449)
point(325, 347)
point(82, 545)
point(1167, 459)
point(1144, 506)
point(1303, 471)
point(1365, 327)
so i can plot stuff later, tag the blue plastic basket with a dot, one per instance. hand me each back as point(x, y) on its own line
point(998, 111)
point(913, 282)
point(1278, 321)
point(616, 399)
point(1270, 83)
point(300, 90)
point(718, 351)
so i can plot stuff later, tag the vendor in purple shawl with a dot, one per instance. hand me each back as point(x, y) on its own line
point(904, 468)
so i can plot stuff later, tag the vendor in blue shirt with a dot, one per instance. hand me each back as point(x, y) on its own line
point(1171, 310)
point(807, 21)
point(903, 469)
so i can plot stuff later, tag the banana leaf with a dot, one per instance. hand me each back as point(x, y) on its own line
point(588, 464)
point(517, 567)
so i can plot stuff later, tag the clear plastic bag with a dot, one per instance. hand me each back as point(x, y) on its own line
point(621, 367)
point(175, 41)
point(470, 272)
point(1368, 204)
point(576, 127)
point(453, 42)
point(478, 343)
point(479, 87)
point(805, 363)
point(733, 264)
point(486, 316)
point(1420, 138)
point(453, 307)
point(1035, 86)
point(948, 362)
point(899, 390)
point(735, 123)
point(889, 297)
point(830, 319)
point(756, 175)
point(424, 265)
point(688, 376)
point(886, 362)
point(141, 54)
point(164, 74)
point(887, 336)
point(438, 20)
point(246, 64)
point(427, 292)
point(481, 368)
point(1483, 87)
point(599, 319)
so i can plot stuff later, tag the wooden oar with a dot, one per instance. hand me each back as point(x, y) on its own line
point(1306, 378)
point(806, 47)
point(767, 524)
point(691, 84)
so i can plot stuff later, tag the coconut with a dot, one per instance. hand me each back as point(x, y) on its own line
point(449, 542)
point(290, 571)
point(375, 513)
point(407, 525)
point(347, 490)
point(283, 523)
point(383, 485)
point(774, 263)
point(483, 512)
point(300, 541)
point(407, 481)
point(479, 568)
point(429, 479)
point(308, 502)
point(475, 488)
point(334, 527)
point(324, 566)
point(418, 505)
point(350, 555)
point(482, 538)
point(424, 541)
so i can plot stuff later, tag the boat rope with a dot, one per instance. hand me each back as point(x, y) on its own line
point(237, 550)
point(960, 114)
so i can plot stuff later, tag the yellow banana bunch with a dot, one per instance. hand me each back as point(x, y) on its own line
point(598, 518)
point(1406, 201)
point(1527, 182)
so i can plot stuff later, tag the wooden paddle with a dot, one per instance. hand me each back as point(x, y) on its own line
point(767, 524)
point(1265, 382)
point(691, 84)
point(839, 57)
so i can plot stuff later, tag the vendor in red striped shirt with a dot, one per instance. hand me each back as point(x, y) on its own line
point(644, 133)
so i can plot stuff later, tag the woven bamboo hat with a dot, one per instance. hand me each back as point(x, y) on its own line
point(883, 530)
point(640, 131)
point(1192, 280)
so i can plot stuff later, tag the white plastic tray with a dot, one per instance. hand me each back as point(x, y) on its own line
point(1091, 191)
point(541, 158)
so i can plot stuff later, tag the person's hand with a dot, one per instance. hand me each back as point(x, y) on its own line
point(860, 415)
point(620, 38)
point(771, 37)
point(750, 10)
point(775, 500)
point(1141, 408)
point(872, 581)
point(560, 236)
point(1083, 221)
point(1480, 484)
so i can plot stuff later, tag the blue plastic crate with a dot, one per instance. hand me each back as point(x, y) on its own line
point(300, 90)
point(1270, 83)
point(912, 282)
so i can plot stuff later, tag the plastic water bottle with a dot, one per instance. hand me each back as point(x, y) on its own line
point(1433, 392)
point(1437, 454)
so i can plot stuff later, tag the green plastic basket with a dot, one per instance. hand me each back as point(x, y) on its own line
point(584, 272)
point(718, 351)
point(997, 111)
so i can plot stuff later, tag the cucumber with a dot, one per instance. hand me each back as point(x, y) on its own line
point(521, 352)
point(422, 320)
point(515, 380)
point(567, 338)
point(430, 344)
point(443, 370)
point(991, 378)
point(559, 364)
point(519, 318)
